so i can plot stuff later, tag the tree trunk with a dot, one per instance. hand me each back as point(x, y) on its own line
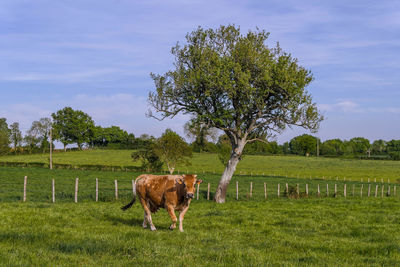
point(65, 147)
point(230, 169)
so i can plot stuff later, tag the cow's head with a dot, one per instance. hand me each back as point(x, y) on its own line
point(189, 182)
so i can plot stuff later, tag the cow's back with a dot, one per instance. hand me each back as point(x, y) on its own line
point(155, 188)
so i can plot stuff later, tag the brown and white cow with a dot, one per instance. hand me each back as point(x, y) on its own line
point(172, 192)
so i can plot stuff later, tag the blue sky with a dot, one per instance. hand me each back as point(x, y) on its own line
point(96, 56)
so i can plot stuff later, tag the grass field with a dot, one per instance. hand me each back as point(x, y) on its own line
point(314, 231)
point(292, 166)
point(305, 232)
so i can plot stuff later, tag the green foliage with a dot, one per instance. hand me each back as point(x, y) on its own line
point(15, 136)
point(333, 147)
point(172, 150)
point(304, 145)
point(395, 155)
point(73, 126)
point(4, 137)
point(359, 145)
point(112, 136)
point(200, 132)
point(151, 162)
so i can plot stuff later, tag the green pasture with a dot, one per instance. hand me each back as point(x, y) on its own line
point(305, 232)
point(291, 166)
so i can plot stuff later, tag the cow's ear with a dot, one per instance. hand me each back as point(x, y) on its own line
point(199, 181)
point(179, 180)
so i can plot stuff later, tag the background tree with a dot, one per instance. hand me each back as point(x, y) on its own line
point(73, 126)
point(359, 145)
point(237, 84)
point(379, 147)
point(201, 134)
point(332, 147)
point(4, 137)
point(15, 136)
point(303, 145)
point(172, 150)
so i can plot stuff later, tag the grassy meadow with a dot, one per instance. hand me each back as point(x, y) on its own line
point(305, 232)
point(356, 230)
point(291, 166)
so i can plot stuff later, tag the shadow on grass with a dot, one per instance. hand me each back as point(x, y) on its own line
point(137, 222)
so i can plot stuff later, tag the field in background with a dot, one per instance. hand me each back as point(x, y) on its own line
point(292, 166)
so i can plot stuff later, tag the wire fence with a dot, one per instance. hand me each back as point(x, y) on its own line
point(39, 189)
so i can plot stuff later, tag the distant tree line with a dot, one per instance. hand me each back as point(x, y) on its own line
point(74, 127)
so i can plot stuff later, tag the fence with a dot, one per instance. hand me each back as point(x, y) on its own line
point(107, 190)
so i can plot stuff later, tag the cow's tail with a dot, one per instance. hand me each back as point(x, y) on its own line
point(124, 208)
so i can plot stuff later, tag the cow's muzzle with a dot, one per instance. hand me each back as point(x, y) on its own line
point(190, 195)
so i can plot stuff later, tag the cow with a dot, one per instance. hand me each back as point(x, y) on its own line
point(172, 192)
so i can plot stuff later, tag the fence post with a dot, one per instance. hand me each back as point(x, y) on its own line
point(279, 188)
point(306, 189)
point(198, 186)
point(265, 190)
point(361, 192)
point(369, 190)
point(208, 191)
point(76, 189)
point(133, 187)
point(97, 189)
point(388, 192)
point(237, 190)
point(383, 188)
point(394, 191)
point(25, 183)
point(318, 191)
point(376, 191)
point(287, 189)
point(53, 190)
point(327, 190)
point(335, 190)
point(344, 190)
point(116, 189)
point(251, 189)
point(297, 190)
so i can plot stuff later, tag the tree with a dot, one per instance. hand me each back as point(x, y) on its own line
point(379, 147)
point(15, 136)
point(73, 126)
point(172, 150)
point(360, 145)
point(333, 147)
point(38, 135)
point(200, 132)
point(4, 137)
point(303, 145)
point(237, 84)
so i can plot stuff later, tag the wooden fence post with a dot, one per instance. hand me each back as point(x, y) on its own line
point(361, 190)
point(53, 190)
point(198, 186)
point(318, 191)
point(394, 191)
point(208, 191)
point(237, 190)
point(116, 189)
point(368, 180)
point(306, 189)
point(383, 188)
point(133, 187)
point(388, 192)
point(251, 189)
point(25, 183)
point(369, 190)
point(287, 189)
point(265, 190)
point(327, 190)
point(97, 189)
point(376, 191)
point(279, 188)
point(76, 189)
point(297, 190)
point(344, 191)
point(335, 190)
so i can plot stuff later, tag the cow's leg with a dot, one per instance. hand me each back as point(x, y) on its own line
point(144, 220)
point(171, 213)
point(147, 214)
point(181, 215)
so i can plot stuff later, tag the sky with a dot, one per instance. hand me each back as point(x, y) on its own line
point(97, 56)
